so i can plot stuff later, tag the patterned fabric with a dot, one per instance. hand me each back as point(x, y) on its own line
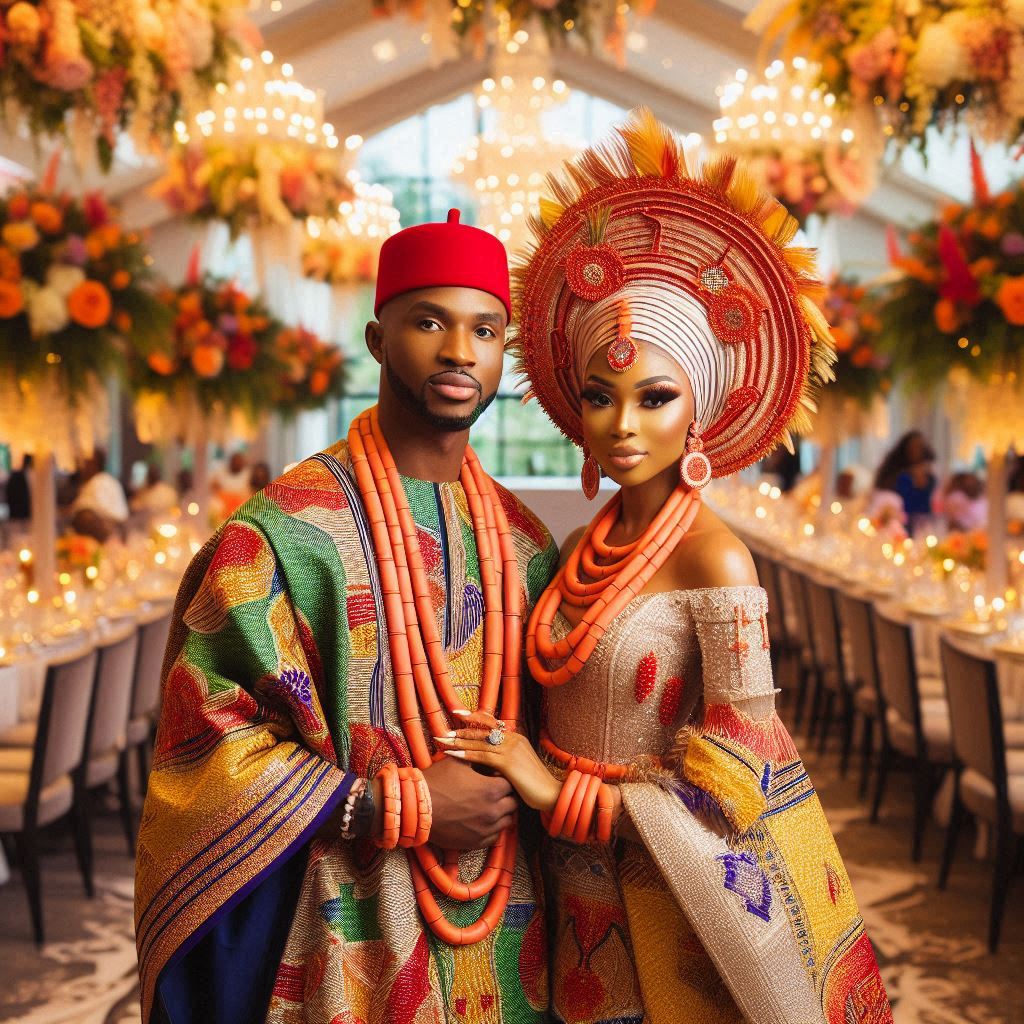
point(278, 692)
point(736, 905)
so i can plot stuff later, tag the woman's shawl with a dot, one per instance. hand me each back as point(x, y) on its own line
point(742, 841)
point(276, 666)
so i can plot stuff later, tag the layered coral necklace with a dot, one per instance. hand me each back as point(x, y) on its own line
point(423, 683)
point(615, 575)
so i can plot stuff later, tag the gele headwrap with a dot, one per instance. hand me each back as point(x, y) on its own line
point(698, 264)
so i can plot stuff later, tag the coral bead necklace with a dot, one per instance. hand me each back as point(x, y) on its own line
point(423, 685)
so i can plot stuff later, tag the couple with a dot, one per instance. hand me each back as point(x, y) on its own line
point(315, 844)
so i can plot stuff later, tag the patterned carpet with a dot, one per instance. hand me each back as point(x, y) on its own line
point(931, 945)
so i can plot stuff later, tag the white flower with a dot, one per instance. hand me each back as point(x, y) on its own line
point(63, 279)
point(941, 57)
point(47, 311)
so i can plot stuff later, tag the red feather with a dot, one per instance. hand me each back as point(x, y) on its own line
point(960, 284)
point(892, 245)
point(192, 273)
point(982, 195)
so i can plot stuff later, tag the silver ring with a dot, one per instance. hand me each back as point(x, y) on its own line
point(496, 736)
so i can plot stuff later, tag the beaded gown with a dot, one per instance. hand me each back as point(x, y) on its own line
point(736, 905)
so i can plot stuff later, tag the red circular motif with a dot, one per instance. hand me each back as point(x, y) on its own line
point(594, 271)
point(734, 314)
point(622, 354)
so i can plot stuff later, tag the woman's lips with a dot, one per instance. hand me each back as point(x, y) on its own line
point(627, 461)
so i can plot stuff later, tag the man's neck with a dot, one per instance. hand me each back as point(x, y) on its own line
point(419, 449)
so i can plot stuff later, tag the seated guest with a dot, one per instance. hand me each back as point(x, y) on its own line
point(907, 472)
point(230, 487)
point(100, 492)
point(259, 477)
point(1015, 498)
point(157, 497)
point(88, 523)
point(963, 502)
point(18, 492)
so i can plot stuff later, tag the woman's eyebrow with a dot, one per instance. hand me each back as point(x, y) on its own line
point(653, 380)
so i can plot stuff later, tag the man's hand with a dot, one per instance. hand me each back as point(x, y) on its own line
point(469, 810)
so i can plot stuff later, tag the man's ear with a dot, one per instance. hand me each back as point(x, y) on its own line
point(374, 335)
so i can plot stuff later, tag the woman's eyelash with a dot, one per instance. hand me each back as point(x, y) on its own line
point(660, 395)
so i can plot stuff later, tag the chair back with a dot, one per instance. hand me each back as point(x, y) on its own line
point(795, 606)
point(855, 618)
point(821, 609)
point(767, 573)
point(63, 719)
point(975, 712)
point(897, 676)
point(146, 688)
point(112, 696)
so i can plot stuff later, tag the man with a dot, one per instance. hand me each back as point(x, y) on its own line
point(282, 697)
point(100, 492)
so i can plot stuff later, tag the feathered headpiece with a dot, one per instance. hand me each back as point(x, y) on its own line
point(702, 256)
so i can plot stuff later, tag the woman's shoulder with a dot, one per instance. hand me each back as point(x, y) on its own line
point(710, 557)
point(569, 544)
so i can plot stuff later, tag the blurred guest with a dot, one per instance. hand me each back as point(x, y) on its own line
point(259, 477)
point(782, 468)
point(88, 523)
point(156, 497)
point(100, 492)
point(230, 487)
point(907, 472)
point(18, 492)
point(963, 503)
point(1015, 497)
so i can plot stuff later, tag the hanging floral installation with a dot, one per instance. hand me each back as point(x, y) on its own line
point(76, 294)
point(916, 64)
point(260, 155)
point(215, 374)
point(88, 69)
point(861, 368)
point(473, 22)
point(313, 371)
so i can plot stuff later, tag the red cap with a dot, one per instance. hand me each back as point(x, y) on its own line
point(450, 255)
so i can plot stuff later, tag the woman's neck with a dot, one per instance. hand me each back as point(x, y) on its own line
point(640, 504)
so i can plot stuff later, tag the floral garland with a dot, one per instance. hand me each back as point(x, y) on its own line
point(861, 369)
point(959, 302)
point(917, 64)
point(969, 549)
point(75, 289)
point(313, 371)
point(592, 23)
point(250, 183)
point(219, 361)
point(114, 65)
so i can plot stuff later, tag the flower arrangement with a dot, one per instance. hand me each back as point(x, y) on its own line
point(917, 64)
point(861, 369)
point(75, 288)
point(220, 357)
point(969, 549)
point(312, 371)
point(959, 302)
point(247, 183)
point(91, 68)
point(604, 22)
point(338, 261)
point(76, 551)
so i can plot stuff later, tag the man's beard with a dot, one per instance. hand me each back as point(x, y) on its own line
point(418, 404)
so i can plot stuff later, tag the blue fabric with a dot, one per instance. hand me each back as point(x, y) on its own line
point(917, 501)
point(228, 976)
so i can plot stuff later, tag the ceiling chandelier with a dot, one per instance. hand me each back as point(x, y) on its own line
point(505, 166)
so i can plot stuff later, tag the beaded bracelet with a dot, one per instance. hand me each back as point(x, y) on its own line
point(354, 796)
point(581, 833)
point(565, 796)
point(391, 788)
point(424, 811)
point(582, 799)
point(409, 811)
point(605, 807)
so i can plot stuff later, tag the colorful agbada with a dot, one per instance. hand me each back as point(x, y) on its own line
point(734, 905)
point(278, 693)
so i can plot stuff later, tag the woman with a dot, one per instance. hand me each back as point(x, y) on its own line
point(905, 478)
point(665, 327)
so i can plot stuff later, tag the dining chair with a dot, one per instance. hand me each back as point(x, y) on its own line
point(918, 730)
point(868, 702)
point(107, 733)
point(37, 784)
point(989, 776)
point(798, 628)
point(145, 705)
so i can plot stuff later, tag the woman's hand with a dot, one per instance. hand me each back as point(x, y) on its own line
point(513, 757)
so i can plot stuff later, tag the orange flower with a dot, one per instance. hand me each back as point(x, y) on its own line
point(111, 235)
point(862, 356)
point(1010, 299)
point(318, 382)
point(991, 227)
point(983, 267)
point(10, 265)
point(47, 217)
point(123, 321)
point(94, 245)
point(89, 304)
point(946, 318)
point(12, 302)
point(161, 363)
point(120, 279)
point(18, 206)
point(207, 360)
point(913, 267)
point(20, 235)
point(843, 339)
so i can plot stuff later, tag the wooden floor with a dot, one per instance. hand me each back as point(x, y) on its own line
point(930, 944)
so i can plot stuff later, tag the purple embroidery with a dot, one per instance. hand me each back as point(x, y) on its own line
point(747, 880)
point(296, 684)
